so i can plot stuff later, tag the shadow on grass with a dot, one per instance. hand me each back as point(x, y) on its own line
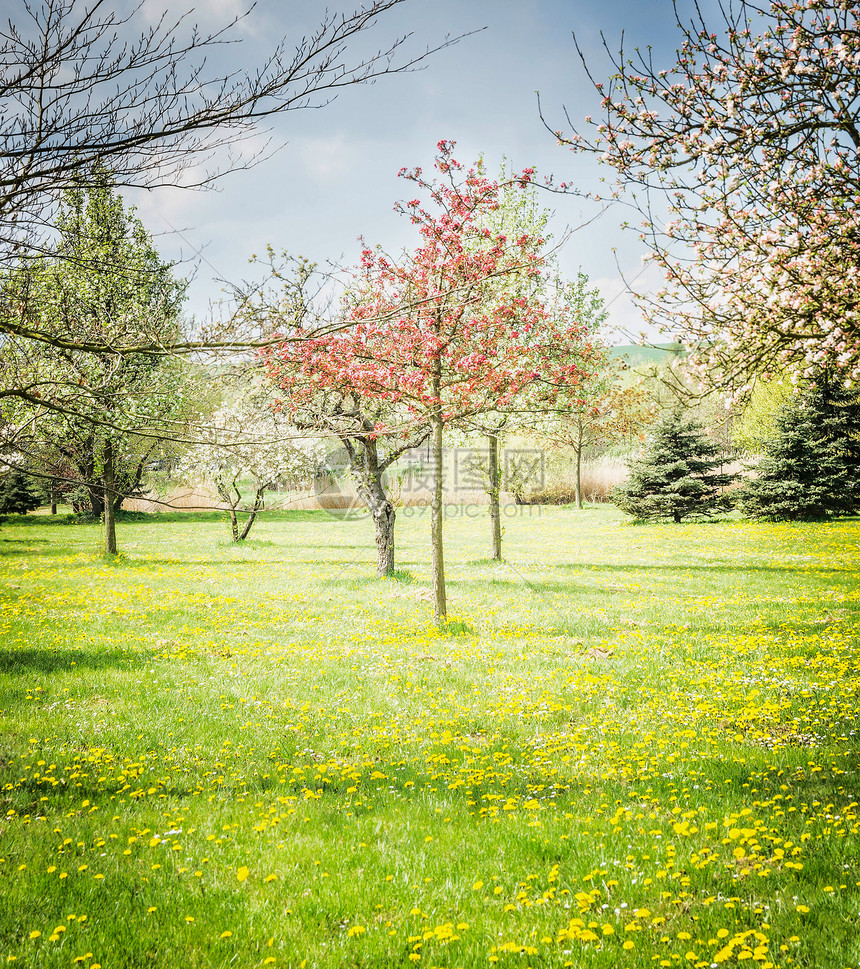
point(47, 661)
point(738, 570)
point(315, 566)
point(537, 585)
point(317, 515)
point(10, 547)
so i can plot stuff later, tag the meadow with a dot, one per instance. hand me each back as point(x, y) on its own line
point(632, 745)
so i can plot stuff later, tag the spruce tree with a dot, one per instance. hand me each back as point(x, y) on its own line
point(17, 494)
point(677, 477)
point(810, 469)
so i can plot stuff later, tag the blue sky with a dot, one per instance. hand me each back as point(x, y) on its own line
point(333, 176)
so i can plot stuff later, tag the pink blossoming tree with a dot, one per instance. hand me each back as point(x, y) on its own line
point(430, 335)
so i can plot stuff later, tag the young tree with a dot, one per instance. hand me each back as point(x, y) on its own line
point(247, 443)
point(677, 477)
point(810, 468)
point(516, 214)
point(606, 411)
point(752, 138)
point(539, 411)
point(107, 284)
point(424, 336)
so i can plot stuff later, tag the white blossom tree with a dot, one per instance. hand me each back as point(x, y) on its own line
point(244, 450)
point(751, 139)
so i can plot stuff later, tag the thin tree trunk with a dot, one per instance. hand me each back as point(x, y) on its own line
point(234, 525)
point(109, 495)
point(440, 607)
point(578, 451)
point(223, 489)
point(495, 484)
point(53, 493)
point(252, 517)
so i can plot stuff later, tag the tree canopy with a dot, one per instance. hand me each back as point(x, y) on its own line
point(96, 416)
point(750, 142)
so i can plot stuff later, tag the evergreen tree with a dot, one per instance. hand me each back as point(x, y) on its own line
point(810, 469)
point(677, 477)
point(17, 494)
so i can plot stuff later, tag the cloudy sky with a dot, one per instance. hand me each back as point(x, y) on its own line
point(333, 174)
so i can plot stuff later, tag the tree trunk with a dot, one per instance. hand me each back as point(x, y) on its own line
point(382, 511)
point(368, 480)
point(53, 496)
point(252, 517)
point(109, 496)
point(383, 520)
point(97, 501)
point(440, 607)
point(234, 525)
point(580, 441)
point(495, 485)
point(367, 472)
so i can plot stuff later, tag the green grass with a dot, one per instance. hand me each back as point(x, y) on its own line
point(631, 745)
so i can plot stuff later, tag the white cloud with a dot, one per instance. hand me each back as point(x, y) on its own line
point(625, 321)
point(328, 160)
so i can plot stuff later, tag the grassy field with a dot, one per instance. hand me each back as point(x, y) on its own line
point(633, 746)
